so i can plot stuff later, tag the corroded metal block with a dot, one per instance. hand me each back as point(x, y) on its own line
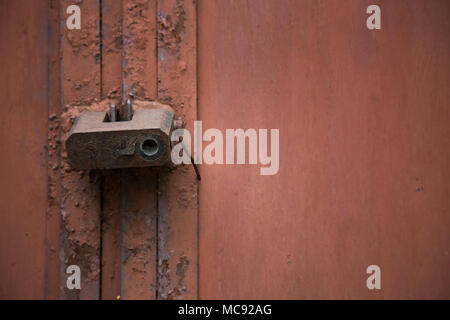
point(96, 143)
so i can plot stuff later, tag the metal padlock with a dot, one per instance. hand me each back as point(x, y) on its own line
point(97, 141)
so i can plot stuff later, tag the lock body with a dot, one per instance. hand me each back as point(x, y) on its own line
point(96, 143)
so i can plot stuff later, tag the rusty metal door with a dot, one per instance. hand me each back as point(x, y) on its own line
point(364, 149)
point(363, 119)
point(133, 233)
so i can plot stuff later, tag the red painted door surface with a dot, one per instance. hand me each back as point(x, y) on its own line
point(363, 179)
point(364, 149)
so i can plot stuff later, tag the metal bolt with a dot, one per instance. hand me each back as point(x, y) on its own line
point(112, 112)
point(129, 110)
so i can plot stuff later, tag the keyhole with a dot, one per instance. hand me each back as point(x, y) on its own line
point(149, 147)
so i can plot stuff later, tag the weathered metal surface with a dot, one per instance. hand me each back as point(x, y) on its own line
point(53, 155)
point(80, 190)
point(23, 167)
point(111, 223)
point(139, 213)
point(130, 212)
point(363, 118)
point(364, 149)
point(139, 223)
point(177, 193)
point(111, 228)
point(94, 143)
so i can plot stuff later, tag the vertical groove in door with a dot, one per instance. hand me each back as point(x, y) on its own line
point(53, 219)
point(112, 187)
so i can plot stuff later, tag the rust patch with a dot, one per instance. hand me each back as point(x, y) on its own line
point(177, 200)
point(53, 148)
point(172, 288)
point(171, 28)
point(138, 36)
point(139, 185)
point(139, 219)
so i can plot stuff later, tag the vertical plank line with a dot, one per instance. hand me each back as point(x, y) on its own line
point(158, 257)
point(52, 222)
point(111, 70)
point(101, 46)
point(100, 254)
point(102, 178)
point(197, 24)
